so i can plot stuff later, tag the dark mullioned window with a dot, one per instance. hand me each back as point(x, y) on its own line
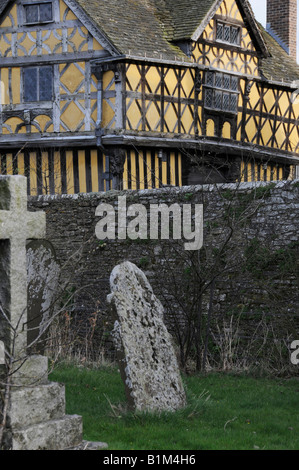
point(228, 33)
point(38, 83)
point(221, 92)
point(38, 13)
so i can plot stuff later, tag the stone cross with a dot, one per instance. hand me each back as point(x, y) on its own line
point(16, 226)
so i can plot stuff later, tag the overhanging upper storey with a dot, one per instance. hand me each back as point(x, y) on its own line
point(219, 89)
point(152, 73)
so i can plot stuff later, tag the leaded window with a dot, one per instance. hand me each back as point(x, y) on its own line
point(228, 33)
point(38, 83)
point(38, 13)
point(221, 92)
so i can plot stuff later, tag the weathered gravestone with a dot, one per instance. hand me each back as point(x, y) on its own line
point(43, 281)
point(147, 358)
point(36, 412)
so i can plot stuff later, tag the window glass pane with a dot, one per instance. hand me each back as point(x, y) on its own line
point(209, 98)
point(233, 102)
point(210, 78)
point(225, 102)
point(226, 82)
point(45, 83)
point(235, 35)
point(226, 36)
point(234, 83)
point(31, 13)
point(45, 12)
point(218, 80)
point(30, 84)
point(219, 31)
point(218, 100)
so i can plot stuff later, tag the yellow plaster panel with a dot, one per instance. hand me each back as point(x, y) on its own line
point(72, 116)
point(153, 81)
point(108, 81)
point(9, 165)
point(251, 131)
point(268, 101)
point(33, 173)
point(226, 131)
point(133, 77)
point(267, 132)
point(77, 39)
point(5, 49)
point(43, 124)
point(152, 115)
point(96, 46)
point(170, 118)
point(108, 110)
point(94, 170)
point(280, 135)
point(171, 82)
point(210, 128)
point(45, 173)
point(82, 171)
point(254, 97)
point(187, 118)
point(208, 33)
point(133, 170)
point(69, 172)
point(10, 126)
point(28, 43)
point(125, 175)
point(187, 84)
point(21, 164)
point(69, 16)
point(65, 12)
point(284, 103)
point(57, 172)
point(52, 41)
point(246, 41)
point(172, 168)
point(229, 9)
point(133, 114)
point(72, 77)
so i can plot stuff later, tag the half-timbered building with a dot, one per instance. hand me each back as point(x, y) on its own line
point(133, 94)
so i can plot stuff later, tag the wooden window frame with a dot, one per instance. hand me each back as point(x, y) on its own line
point(230, 26)
point(212, 87)
point(38, 4)
point(38, 100)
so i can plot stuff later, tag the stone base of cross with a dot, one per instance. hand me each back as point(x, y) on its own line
point(16, 226)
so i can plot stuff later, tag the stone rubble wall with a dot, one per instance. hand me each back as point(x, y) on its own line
point(265, 221)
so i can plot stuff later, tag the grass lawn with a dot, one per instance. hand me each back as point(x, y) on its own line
point(224, 412)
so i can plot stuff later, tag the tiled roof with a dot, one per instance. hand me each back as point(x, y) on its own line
point(279, 67)
point(186, 16)
point(134, 27)
point(150, 28)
